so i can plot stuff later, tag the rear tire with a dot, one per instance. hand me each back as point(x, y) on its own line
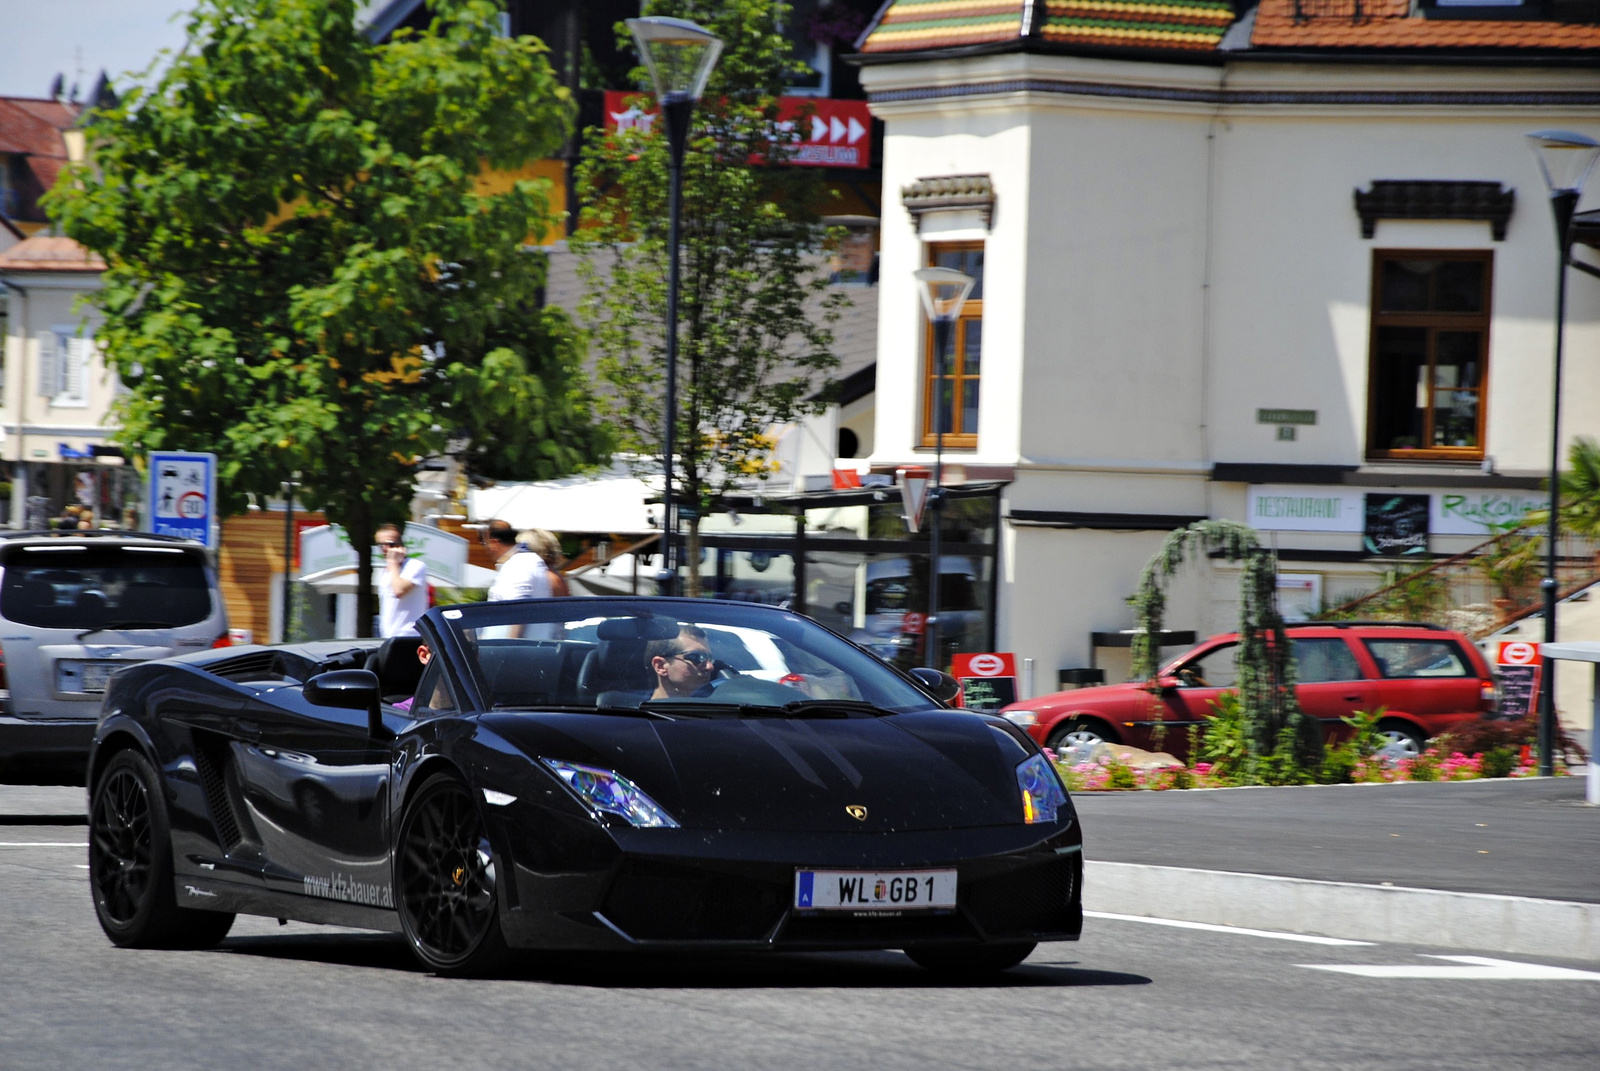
point(130, 863)
point(445, 878)
point(1400, 739)
point(969, 960)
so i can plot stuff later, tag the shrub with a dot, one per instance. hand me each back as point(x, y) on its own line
point(1499, 762)
point(1475, 737)
point(1120, 775)
point(1425, 767)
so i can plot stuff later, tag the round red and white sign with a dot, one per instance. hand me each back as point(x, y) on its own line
point(912, 623)
point(1518, 653)
point(986, 665)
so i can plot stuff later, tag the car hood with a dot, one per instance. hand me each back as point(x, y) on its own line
point(1085, 697)
point(922, 771)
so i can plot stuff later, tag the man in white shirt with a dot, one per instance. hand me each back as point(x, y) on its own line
point(403, 588)
point(519, 573)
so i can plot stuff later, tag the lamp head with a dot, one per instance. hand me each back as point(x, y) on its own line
point(679, 55)
point(1565, 159)
point(943, 292)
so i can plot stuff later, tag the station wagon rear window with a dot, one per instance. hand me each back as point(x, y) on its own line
point(81, 587)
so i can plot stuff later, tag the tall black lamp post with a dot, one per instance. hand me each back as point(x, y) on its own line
point(1565, 159)
point(679, 56)
point(943, 291)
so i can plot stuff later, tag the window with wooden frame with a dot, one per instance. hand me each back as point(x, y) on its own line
point(963, 363)
point(1429, 360)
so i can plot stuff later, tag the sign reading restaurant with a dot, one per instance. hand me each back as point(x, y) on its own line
point(1287, 508)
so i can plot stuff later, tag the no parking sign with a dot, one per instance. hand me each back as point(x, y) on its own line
point(988, 681)
point(182, 498)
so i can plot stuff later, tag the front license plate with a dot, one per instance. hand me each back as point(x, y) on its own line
point(84, 676)
point(874, 890)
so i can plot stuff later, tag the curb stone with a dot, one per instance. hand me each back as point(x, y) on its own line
point(1517, 924)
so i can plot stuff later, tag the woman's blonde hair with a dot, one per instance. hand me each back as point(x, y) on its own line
point(545, 544)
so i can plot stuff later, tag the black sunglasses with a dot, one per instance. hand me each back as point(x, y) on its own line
point(701, 659)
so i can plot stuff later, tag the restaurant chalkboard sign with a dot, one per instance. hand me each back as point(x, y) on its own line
point(1519, 692)
point(1396, 525)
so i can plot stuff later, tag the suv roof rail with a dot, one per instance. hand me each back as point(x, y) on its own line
point(1368, 624)
point(91, 533)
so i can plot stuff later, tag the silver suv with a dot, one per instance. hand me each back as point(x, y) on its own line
point(74, 608)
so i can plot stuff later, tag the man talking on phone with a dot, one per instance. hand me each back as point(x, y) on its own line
point(403, 591)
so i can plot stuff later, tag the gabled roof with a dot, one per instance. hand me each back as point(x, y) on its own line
point(48, 252)
point(30, 127)
point(921, 25)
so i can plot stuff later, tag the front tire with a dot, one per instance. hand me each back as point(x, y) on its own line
point(445, 880)
point(969, 960)
point(1081, 735)
point(130, 863)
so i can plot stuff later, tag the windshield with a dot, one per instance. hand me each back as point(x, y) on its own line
point(626, 653)
point(84, 587)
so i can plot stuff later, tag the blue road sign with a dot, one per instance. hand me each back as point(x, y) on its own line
point(183, 496)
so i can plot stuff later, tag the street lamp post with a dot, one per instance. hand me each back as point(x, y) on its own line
point(943, 291)
point(1565, 160)
point(679, 55)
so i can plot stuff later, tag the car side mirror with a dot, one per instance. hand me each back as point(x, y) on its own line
point(943, 686)
point(1168, 685)
point(349, 689)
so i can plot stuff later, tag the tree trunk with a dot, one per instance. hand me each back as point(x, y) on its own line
point(360, 530)
point(691, 556)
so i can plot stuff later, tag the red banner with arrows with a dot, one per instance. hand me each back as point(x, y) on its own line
point(833, 133)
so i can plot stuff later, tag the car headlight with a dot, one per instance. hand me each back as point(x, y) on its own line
point(609, 791)
point(1042, 794)
point(1025, 719)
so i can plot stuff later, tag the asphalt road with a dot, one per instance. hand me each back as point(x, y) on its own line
point(1130, 995)
point(1533, 837)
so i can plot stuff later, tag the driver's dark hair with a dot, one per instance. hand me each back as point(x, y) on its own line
point(674, 646)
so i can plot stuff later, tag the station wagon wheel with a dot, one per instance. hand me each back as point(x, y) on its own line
point(1400, 741)
point(130, 863)
point(445, 875)
point(1082, 735)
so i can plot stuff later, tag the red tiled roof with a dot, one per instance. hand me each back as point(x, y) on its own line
point(48, 252)
point(33, 127)
point(1390, 24)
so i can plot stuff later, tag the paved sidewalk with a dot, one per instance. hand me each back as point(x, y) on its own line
point(1534, 837)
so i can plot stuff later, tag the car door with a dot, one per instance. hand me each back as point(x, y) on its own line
point(1329, 682)
point(1201, 678)
point(316, 784)
point(1428, 677)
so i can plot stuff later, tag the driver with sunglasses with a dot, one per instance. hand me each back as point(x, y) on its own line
point(684, 666)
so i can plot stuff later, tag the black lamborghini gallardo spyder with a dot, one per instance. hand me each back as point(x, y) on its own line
point(608, 774)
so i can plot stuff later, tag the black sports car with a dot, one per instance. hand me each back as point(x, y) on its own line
point(579, 774)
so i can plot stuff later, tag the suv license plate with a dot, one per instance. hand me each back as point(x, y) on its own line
point(875, 890)
point(84, 676)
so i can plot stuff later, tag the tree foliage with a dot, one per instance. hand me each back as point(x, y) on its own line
point(754, 338)
point(303, 272)
point(1281, 744)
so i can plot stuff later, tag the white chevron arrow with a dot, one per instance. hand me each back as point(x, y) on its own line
point(1472, 968)
point(836, 128)
point(819, 128)
point(856, 130)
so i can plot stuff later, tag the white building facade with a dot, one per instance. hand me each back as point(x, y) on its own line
point(1298, 282)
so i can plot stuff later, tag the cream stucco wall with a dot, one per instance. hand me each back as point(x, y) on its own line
point(1166, 258)
point(33, 424)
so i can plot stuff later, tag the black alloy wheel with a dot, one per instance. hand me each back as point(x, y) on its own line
point(445, 874)
point(966, 960)
point(130, 864)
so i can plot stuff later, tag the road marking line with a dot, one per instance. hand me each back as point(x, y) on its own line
point(1277, 935)
point(41, 844)
point(1473, 968)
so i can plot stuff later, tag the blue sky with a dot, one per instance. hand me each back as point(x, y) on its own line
point(44, 37)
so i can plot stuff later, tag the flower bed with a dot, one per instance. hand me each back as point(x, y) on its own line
point(1110, 775)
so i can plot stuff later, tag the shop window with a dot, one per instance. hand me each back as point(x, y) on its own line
point(957, 404)
point(1429, 354)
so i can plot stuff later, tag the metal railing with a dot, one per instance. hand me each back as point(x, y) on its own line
point(1482, 590)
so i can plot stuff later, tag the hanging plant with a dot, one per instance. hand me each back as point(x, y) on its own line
point(1283, 745)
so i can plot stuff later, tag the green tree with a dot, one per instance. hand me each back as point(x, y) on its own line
point(302, 272)
point(1580, 491)
point(1283, 745)
point(754, 339)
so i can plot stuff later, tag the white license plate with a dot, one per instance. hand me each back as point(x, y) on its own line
point(875, 890)
point(84, 676)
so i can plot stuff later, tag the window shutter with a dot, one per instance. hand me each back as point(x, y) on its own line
point(76, 371)
point(48, 379)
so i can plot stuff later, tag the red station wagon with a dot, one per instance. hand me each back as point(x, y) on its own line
point(1427, 678)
